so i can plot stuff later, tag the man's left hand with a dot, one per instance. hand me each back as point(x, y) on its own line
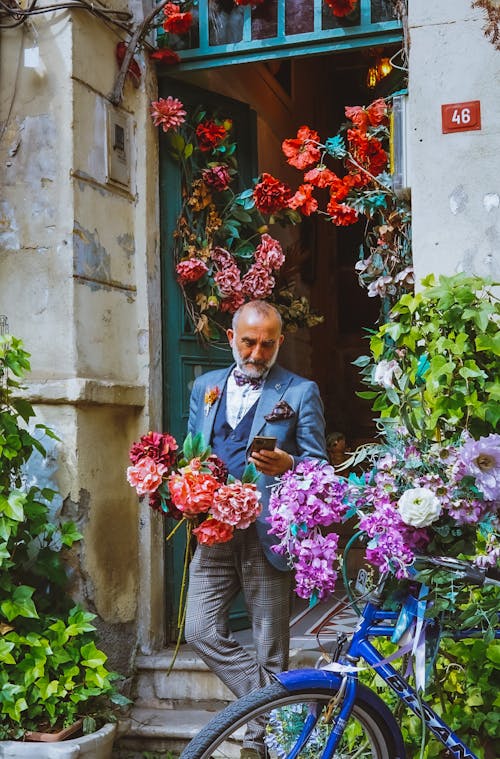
point(272, 463)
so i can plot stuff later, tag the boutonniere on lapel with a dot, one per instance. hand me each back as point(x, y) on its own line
point(282, 410)
point(211, 395)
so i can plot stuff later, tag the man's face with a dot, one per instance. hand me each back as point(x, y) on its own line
point(255, 342)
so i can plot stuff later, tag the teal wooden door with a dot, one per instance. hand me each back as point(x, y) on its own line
point(184, 356)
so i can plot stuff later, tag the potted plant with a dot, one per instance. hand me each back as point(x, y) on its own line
point(53, 678)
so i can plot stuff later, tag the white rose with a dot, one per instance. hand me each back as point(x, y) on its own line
point(419, 507)
point(385, 371)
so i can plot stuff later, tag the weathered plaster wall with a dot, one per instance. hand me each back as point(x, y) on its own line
point(80, 283)
point(454, 177)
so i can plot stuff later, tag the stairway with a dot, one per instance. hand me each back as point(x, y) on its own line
point(171, 709)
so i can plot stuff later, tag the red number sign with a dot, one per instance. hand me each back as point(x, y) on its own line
point(461, 117)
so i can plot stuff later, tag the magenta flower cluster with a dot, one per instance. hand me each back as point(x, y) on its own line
point(417, 497)
point(307, 498)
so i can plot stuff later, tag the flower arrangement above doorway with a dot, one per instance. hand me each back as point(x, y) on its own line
point(224, 252)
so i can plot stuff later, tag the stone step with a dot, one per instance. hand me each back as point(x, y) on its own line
point(189, 682)
point(161, 730)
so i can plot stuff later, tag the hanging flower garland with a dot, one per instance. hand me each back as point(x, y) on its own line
point(360, 187)
point(224, 252)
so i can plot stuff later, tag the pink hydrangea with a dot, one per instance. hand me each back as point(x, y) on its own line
point(237, 504)
point(146, 475)
point(258, 282)
point(269, 253)
point(228, 280)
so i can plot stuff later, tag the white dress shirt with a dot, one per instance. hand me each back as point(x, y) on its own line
point(239, 400)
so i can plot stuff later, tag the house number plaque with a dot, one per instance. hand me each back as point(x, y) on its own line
point(461, 117)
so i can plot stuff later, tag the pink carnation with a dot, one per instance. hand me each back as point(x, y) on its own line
point(258, 282)
point(269, 253)
point(237, 504)
point(190, 270)
point(212, 531)
point(192, 492)
point(146, 476)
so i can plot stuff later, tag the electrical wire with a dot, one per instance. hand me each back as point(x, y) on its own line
point(20, 15)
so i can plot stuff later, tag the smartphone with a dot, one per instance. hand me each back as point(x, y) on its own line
point(260, 443)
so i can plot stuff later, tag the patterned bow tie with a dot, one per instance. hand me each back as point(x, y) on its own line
point(242, 379)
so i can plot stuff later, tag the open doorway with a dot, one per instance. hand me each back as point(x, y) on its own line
point(285, 95)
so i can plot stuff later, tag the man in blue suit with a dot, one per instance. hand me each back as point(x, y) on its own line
point(253, 397)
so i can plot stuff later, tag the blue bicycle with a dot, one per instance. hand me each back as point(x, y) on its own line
point(325, 714)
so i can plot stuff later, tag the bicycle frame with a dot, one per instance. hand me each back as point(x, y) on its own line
point(374, 623)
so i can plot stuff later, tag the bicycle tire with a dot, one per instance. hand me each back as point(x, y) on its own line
point(221, 737)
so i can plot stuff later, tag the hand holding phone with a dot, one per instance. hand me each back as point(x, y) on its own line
point(262, 443)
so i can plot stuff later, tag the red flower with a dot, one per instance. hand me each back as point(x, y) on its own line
point(217, 177)
point(169, 112)
point(358, 116)
point(320, 176)
point(303, 200)
point(339, 189)
point(165, 55)
point(212, 531)
point(377, 112)
point(302, 152)
point(373, 115)
point(177, 23)
point(271, 195)
point(210, 134)
point(190, 270)
point(341, 215)
point(217, 468)
point(341, 8)
point(368, 151)
point(158, 446)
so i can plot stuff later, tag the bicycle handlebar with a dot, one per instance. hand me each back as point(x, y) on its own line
point(465, 570)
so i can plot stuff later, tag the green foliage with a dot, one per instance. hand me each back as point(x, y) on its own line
point(51, 672)
point(443, 343)
point(464, 691)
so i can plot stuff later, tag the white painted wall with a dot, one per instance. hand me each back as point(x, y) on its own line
point(455, 178)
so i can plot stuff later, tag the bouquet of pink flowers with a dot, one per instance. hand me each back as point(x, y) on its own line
point(193, 484)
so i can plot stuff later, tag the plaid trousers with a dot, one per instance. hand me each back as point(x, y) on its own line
point(216, 575)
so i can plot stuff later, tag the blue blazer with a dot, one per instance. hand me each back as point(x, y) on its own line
point(302, 435)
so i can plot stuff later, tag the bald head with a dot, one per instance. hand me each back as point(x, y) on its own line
point(255, 337)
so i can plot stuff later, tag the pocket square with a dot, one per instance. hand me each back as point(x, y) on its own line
point(282, 410)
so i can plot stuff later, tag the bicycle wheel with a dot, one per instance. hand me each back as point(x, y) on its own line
point(296, 726)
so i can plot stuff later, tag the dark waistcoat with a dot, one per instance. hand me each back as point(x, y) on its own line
point(228, 444)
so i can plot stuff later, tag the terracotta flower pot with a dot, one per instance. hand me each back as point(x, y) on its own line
point(96, 745)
